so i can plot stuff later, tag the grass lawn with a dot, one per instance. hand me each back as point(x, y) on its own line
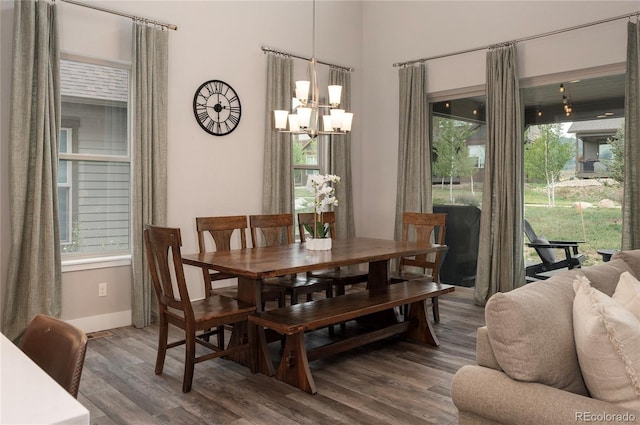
point(597, 227)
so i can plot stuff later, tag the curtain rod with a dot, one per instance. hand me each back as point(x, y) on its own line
point(113, 12)
point(546, 34)
point(280, 52)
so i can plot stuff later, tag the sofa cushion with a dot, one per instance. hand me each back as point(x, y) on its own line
point(531, 333)
point(628, 293)
point(632, 258)
point(604, 276)
point(607, 338)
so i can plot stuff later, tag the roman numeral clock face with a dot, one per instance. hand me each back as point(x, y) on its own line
point(216, 107)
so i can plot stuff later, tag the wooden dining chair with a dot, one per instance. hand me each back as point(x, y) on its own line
point(58, 347)
point(277, 229)
point(340, 276)
point(424, 226)
point(195, 318)
point(222, 229)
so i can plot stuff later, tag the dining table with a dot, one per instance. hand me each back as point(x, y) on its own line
point(252, 265)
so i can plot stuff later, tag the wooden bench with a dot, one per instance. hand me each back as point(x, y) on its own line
point(295, 320)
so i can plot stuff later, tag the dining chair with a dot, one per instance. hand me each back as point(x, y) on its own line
point(424, 226)
point(195, 318)
point(58, 347)
point(340, 276)
point(222, 229)
point(277, 229)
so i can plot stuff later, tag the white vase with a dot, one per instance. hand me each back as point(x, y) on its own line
point(320, 244)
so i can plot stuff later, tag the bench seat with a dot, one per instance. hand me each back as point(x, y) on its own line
point(376, 306)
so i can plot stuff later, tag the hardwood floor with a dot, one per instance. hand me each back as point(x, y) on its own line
point(388, 382)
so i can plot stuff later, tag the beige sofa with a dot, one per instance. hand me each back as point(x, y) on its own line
point(528, 370)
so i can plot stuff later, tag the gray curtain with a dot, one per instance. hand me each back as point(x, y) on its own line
point(277, 187)
point(500, 250)
point(149, 151)
point(631, 197)
point(340, 161)
point(414, 146)
point(34, 270)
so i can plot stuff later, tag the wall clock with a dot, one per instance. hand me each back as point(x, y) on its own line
point(216, 106)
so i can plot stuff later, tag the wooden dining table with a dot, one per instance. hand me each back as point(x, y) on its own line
point(252, 265)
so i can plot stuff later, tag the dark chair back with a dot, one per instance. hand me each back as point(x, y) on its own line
point(221, 230)
point(271, 229)
point(423, 226)
point(162, 244)
point(308, 219)
point(58, 348)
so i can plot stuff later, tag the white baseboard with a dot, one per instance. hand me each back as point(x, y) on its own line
point(103, 321)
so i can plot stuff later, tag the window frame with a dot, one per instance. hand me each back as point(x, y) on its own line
point(115, 258)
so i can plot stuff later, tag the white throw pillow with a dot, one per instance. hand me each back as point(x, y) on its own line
point(628, 293)
point(607, 338)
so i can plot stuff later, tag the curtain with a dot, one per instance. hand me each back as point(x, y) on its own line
point(149, 153)
point(34, 271)
point(631, 197)
point(340, 161)
point(414, 146)
point(500, 251)
point(277, 187)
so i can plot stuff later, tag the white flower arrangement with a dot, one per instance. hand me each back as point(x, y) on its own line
point(323, 198)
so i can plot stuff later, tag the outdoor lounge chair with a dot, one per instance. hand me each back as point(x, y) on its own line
point(546, 251)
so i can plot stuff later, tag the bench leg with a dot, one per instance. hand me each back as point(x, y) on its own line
point(294, 365)
point(260, 358)
point(421, 329)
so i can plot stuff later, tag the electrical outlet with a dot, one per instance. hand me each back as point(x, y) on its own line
point(102, 289)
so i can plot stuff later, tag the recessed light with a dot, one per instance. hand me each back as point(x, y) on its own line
point(608, 113)
point(601, 116)
point(575, 81)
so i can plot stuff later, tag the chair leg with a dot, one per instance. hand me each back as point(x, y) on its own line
point(436, 309)
point(221, 337)
point(163, 334)
point(189, 361)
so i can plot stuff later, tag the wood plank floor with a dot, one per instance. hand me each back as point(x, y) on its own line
point(388, 382)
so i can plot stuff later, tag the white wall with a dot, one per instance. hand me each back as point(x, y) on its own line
point(221, 40)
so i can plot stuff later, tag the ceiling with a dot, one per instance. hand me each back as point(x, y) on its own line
point(589, 99)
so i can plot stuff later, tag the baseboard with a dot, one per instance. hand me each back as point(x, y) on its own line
point(103, 321)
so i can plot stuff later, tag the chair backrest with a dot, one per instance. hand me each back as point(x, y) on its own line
point(308, 219)
point(221, 230)
point(424, 225)
point(58, 348)
point(528, 230)
point(163, 244)
point(271, 229)
point(546, 254)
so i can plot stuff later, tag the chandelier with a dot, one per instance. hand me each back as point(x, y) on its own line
point(308, 113)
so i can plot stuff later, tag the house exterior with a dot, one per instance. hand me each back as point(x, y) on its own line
point(592, 145)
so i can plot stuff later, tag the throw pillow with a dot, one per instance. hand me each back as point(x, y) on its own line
point(607, 338)
point(628, 293)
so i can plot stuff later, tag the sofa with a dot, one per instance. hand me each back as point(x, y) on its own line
point(528, 367)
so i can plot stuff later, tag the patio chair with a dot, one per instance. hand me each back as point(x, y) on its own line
point(546, 251)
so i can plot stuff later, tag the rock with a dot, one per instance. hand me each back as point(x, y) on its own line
point(606, 203)
point(582, 205)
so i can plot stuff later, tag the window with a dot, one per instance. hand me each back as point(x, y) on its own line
point(94, 161)
point(458, 138)
point(308, 159)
